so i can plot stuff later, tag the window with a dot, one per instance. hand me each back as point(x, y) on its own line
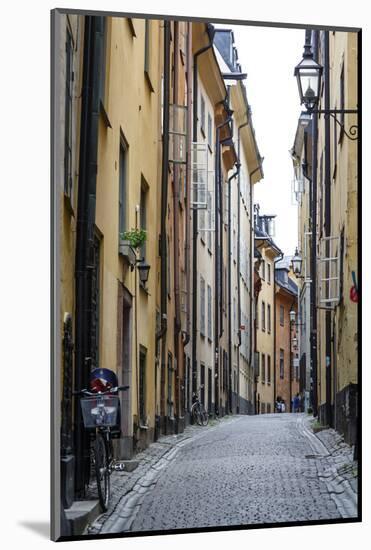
point(282, 316)
point(209, 313)
point(263, 368)
point(263, 270)
point(257, 363)
point(257, 316)
point(269, 368)
point(282, 364)
point(142, 387)
point(269, 273)
point(68, 117)
point(269, 317)
point(202, 306)
point(202, 106)
point(263, 315)
point(122, 187)
point(209, 131)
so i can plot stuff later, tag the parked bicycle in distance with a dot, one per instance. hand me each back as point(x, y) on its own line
point(198, 412)
point(100, 411)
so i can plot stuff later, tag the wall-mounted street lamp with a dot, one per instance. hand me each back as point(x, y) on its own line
point(293, 319)
point(309, 77)
point(143, 269)
point(296, 263)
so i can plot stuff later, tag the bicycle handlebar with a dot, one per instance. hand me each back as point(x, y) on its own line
point(90, 393)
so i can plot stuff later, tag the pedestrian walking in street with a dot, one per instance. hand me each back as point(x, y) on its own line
point(283, 406)
point(296, 403)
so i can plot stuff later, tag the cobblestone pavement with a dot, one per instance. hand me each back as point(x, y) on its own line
point(242, 470)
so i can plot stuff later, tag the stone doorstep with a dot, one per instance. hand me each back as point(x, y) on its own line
point(82, 513)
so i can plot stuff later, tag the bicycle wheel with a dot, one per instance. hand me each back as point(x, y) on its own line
point(204, 417)
point(102, 473)
point(196, 414)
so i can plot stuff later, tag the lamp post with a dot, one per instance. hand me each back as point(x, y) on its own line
point(309, 78)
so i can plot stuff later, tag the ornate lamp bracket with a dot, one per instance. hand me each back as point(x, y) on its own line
point(353, 130)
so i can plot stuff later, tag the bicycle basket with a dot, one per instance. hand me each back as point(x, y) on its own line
point(100, 411)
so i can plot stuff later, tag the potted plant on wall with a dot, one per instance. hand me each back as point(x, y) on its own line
point(130, 242)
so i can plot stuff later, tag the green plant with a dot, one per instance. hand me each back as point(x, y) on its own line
point(136, 237)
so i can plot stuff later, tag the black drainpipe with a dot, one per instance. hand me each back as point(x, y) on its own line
point(328, 223)
point(252, 262)
point(163, 237)
point(234, 175)
point(313, 269)
point(275, 261)
point(195, 214)
point(238, 265)
point(93, 48)
point(218, 296)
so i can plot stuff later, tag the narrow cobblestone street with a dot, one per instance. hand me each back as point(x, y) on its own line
point(241, 470)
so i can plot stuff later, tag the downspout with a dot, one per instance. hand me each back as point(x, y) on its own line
point(164, 189)
point(290, 362)
point(275, 261)
point(238, 264)
point(252, 292)
point(221, 197)
point(327, 222)
point(85, 229)
point(313, 338)
point(311, 229)
point(195, 215)
point(234, 175)
point(187, 335)
point(217, 260)
point(177, 323)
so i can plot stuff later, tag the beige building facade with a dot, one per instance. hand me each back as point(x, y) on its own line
point(330, 212)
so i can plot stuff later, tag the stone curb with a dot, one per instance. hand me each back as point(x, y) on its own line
point(338, 487)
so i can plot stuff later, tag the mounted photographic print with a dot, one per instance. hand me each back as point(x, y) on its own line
point(206, 279)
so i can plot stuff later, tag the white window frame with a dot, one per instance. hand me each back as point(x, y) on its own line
point(327, 298)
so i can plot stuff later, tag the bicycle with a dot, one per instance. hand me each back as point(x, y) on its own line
point(198, 411)
point(99, 411)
